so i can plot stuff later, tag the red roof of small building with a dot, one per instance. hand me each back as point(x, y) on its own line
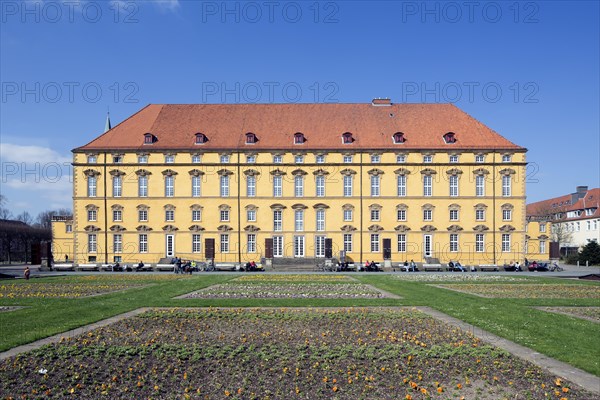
point(564, 204)
point(372, 127)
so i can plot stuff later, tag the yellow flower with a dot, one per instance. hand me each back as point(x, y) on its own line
point(440, 389)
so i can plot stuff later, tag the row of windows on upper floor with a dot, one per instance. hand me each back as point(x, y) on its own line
point(299, 138)
point(298, 159)
point(299, 186)
point(374, 214)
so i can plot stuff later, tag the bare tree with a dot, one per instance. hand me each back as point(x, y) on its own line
point(556, 216)
point(25, 217)
point(4, 212)
point(44, 219)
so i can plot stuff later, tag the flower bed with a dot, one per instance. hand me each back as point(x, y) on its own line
point(457, 277)
point(60, 290)
point(295, 278)
point(257, 290)
point(529, 291)
point(588, 313)
point(275, 354)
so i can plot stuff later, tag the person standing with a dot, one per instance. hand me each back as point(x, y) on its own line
point(26, 273)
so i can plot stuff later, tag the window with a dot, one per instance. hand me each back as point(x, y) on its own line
point(401, 215)
point(92, 215)
point(506, 189)
point(347, 185)
point(117, 159)
point(117, 215)
point(277, 159)
point(401, 185)
point(298, 159)
point(142, 215)
point(69, 228)
point(588, 226)
point(427, 185)
point(401, 243)
point(375, 215)
point(348, 215)
point(320, 220)
point(320, 246)
point(224, 190)
point(320, 181)
point(453, 215)
point(170, 215)
point(277, 246)
point(169, 158)
point(196, 244)
point(375, 180)
point(320, 159)
point(347, 242)
point(117, 243)
point(224, 243)
point(347, 159)
point(142, 159)
point(250, 159)
point(398, 138)
point(506, 158)
point(224, 159)
point(251, 138)
point(453, 242)
point(427, 158)
point(251, 186)
point(453, 158)
point(347, 138)
point(375, 158)
point(148, 138)
point(299, 186)
point(92, 159)
point(299, 220)
point(143, 186)
point(506, 215)
point(479, 244)
point(196, 158)
point(200, 138)
point(277, 220)
point(251, 215)
point(453, 185)
point(196, 215)
point(505, 242)
point(427, 215)
point(480, 185)
point(251, 243)
point(298, 246)
point(117, 186)
point(92, 243)
point(143, 243)
point(374, 242)
point(542, 246)
point(224, 215)
point(577, 226)
point(480, 158)
point(277, 186)
point(298, 138)
point(169, 186)
point(400, 158)
point(480, 215)
point(196, 186)
point(450, 138)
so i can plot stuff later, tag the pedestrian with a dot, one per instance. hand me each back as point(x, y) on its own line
point(26, 273)
point(66, 258)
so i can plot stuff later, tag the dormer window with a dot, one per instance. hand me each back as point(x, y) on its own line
point(506, 158)
point(149, 138)
point(398, 138)
point(450, 138)
point(453, 158)
point(347, 138)
point(250, 159)
point(427, 158)
point(200, 138)
point(251, 138)
point(479, 158)
point(299, 138)
point(117, 158)
point(169, 158)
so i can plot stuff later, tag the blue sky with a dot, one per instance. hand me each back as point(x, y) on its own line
point(529, 70)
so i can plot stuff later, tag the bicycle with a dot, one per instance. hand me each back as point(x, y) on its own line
point(556, 268)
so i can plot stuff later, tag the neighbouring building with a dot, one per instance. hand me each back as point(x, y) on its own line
point(572, 220)
point(404, 181)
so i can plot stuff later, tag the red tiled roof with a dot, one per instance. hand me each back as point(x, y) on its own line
point(372, 127)
point(563, 204)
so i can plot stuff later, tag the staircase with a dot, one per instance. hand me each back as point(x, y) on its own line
point(432, 260)
point(291, 264)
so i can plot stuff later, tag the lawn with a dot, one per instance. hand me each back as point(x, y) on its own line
point(515, 319)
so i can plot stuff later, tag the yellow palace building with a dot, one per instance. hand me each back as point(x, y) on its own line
point(368, 181)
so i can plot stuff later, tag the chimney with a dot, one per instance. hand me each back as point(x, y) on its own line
point(381, 102)
point(581, 191)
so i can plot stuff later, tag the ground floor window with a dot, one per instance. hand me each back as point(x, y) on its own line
point(348, 242)
point(375, 243)
point(143, 243)
point(277, 246)
point(251, 243)
point(402, 243)
point(224, 243)
point(320, 246)
point(196, 244)
point(454, 242)
point(298, 246)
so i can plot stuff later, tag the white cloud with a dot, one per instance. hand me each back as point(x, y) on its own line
point(28, 154)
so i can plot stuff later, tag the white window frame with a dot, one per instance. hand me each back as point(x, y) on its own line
point(506, 158)
point(250, 159)
point(251, 215)
point(320, 224)
point(506, 186)
point(277, 186)
point(92, 159)
point(542, 247)
point(454, 215)
point(277, 159)
point(142, 186)
point(224, 215)
point(251, 243)
point(299, 220)
point(196, 243)
point(400, 158)
point(427, 185)
point(453, 185)
point(117, 216)
point(479, 158)
point(224, 159)
point(347, 242)
point(196, 159)
point(480, 185)
point(250, 186)
point(374, 240)
point(278, 246)
point(92, 188)
point(506, 215)
point(143, 243)
point(320, 159)
point(196, 215)
point(298, 186)
point(348, 215)
point(375, 215)
point(277, 220)
point(479, 242)
point(169, 186)
point(375, 158)
point(453, 158)
point(299, 246)
point(427, 215)
point(320, 246)
point(143, 159)
point(375, 185)
point(143, 215)
point(299, 159)
point(348, 183)
point(92, 215)
point(117, 243)
point(506, 242)
point(401, 185)
point(224, 242)
point(480, 215)
point(400, 215)
point(453, 242)
point(169, 215)
point(169, 159)
point(427, 159)
point(224, 186)
point(401, 239)
point(320, 185)
point(92, 243)
point(347, 159)
point(117, 186)
point(196, 186)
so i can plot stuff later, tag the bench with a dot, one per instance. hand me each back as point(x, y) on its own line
point(63, 267)
point(164, 267)
point(432, 267)
point(87, 267)
point(226, 267)
point(488, 267)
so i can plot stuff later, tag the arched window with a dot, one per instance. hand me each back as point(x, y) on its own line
point(149, 138)
point(399, 138)
point(450, 138)
point(251, 138)
point(347, 138)
point(200, 138)
point(299, 138)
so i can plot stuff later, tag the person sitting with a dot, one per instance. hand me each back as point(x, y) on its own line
point(252, 266)
point(413, 266)
point(116, 267)
point(140, 267)
point(450, 266)
point(518, 267)
point(458, 266)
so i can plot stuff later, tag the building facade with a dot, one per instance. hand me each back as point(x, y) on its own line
point(572, 220)
point(415, 181)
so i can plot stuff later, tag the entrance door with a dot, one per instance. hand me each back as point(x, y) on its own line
point(427, 247)
point(170, 246)
point(298, 246)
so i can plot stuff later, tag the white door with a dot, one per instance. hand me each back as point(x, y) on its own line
point(277, 246)
point(170, 246)
point(320, 246)
point(427, 248)
point(298, 246)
